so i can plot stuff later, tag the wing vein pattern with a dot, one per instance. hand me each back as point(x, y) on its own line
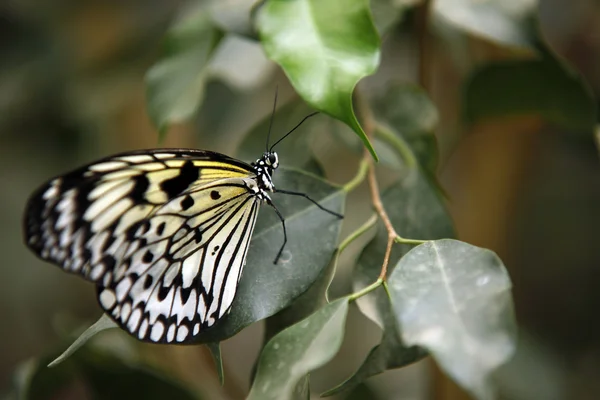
point(163, 234)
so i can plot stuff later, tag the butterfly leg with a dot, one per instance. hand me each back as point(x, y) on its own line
point(269, 202)
point(309, 199)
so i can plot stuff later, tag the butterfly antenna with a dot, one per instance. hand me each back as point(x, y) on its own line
point(294, 128)
point(272, 116)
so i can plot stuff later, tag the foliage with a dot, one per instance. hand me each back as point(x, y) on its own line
point(428, 293)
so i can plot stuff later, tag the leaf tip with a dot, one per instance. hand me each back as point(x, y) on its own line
point(356, 127)
point(215, 351)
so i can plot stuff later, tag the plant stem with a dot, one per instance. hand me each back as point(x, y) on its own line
point(357, 233)
point(378, 205)
point(400, 239)
point(398, 144)
point(387, 289)
point(358, 178)
point(370, 126)
point(366, 290)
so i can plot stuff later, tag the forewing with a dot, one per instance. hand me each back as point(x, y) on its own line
point(180, 272)
point(83, 221)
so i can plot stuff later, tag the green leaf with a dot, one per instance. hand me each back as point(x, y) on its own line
point(298, 350)
point(416, 209)
point(103, 323)
point(295, 150)
point(310, 301)
point(543, 87)
point(391, 352)
point(265, 288)
point(325, 47)
point(455, 300)
point(506, 22)
point(306, 304)
point(175, 84)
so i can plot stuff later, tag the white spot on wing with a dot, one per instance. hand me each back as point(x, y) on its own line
point(157, 331)
point(107, 279)
point(149, 167)
point(107, 166)
point(174, 163)
point(125, 173)
point(171, 333)
point(143, 328)
point(122, 288)
point(134, 319)
point(97, 272)
point(137, 158)
point(161, 156)
point(107, 299)
point(182, 333)
point(190, 268)
point(125, 311)
point(52, 191)
point(66, 208)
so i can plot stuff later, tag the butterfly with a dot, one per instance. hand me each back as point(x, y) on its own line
point(162, 233)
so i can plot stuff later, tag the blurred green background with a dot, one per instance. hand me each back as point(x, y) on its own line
point(72, 90)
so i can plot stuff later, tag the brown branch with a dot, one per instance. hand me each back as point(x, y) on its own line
point(379, 208)
point(369, 124)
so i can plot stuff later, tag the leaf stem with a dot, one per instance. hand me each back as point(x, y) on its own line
point(401, 240)
point(358, 178)
point(398, 143)
point(387, 289)
point(358, 232)
point(366, 290)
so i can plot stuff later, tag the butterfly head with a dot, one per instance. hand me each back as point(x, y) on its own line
point(264, 168)
point(271, 159)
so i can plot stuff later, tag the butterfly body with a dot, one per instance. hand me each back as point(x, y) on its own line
point(162, 233)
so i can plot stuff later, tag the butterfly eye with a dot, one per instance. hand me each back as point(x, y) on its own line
point(273, 160)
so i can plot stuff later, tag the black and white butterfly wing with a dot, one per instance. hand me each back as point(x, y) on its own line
point(163, 234)
point(180, 271)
